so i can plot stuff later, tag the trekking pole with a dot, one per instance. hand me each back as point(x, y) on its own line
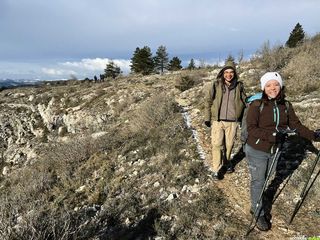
point(306, 189)
point(254, 219)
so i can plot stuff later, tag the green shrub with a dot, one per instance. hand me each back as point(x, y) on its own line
point(184, 83)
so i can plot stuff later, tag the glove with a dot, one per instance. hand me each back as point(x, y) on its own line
point(317, 135)
point(281, 137)
point(207, 123)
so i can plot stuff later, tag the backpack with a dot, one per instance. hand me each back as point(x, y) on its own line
point(249, 100)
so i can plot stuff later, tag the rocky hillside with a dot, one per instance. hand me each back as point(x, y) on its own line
point(128, 159)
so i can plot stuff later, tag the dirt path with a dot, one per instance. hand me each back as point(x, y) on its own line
point(235, 186)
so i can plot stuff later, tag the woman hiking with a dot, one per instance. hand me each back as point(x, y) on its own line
point(267, 120)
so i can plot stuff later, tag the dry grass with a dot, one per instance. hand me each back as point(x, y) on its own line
point(299, 66)
point(90, 188)
point(303, 72)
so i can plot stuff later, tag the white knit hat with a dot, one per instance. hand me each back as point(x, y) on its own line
point(270, 76)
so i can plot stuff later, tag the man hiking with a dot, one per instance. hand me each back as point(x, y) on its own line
point(224, 104)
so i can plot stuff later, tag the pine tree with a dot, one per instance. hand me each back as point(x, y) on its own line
point(161, 59)
point(191, 65)
point(174, 64)
point(296, 36)
point(142, 61)
point(112, 70)
point(230, 58)
point(135, 61)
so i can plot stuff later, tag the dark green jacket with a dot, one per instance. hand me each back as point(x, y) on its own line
point(213, 99)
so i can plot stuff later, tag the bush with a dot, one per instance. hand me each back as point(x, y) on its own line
point(184, 83)
point(153, 113)
point(303, 72)
point(272, 58)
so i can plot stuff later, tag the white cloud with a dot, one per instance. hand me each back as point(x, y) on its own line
point(57, 72)
point(88, 64)
point(87, 67)
point(97, 64)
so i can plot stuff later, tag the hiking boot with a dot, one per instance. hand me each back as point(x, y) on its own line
point(230, 169)
point(268, 216)
point(216, 176)
point(262, 224)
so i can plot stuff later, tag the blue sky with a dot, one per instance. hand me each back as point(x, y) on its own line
point(56, 39)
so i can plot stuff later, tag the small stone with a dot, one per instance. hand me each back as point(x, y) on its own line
point(5, 170)
point(127, 221)
point(31, 98)
point(171, 197)
point(184, 188)
point(81, 189)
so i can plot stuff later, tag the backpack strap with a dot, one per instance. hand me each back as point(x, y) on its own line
point(242, 92)
point(257, 103)
point(214, 89)
point(241, 86)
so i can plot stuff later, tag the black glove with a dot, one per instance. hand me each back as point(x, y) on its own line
point(281, 137)
point(317, 135)
point(207, 123)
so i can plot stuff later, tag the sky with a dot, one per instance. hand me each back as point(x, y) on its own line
point(59, 39)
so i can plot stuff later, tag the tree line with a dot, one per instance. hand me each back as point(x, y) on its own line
point(143, 62)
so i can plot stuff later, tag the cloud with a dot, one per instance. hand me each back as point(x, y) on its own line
point(86, 67)
point(57, 72)
point(97, 64)
point(88, 64)
point(78, 29)
point(39, 32)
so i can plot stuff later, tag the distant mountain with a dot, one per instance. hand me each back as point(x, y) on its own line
point(9, 83)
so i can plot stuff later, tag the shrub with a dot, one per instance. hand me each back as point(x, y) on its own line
point(303, 72)
point(153, 113)
point(184, 83)
point(272, 58)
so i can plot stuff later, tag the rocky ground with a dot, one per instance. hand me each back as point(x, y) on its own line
point(129, 159)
